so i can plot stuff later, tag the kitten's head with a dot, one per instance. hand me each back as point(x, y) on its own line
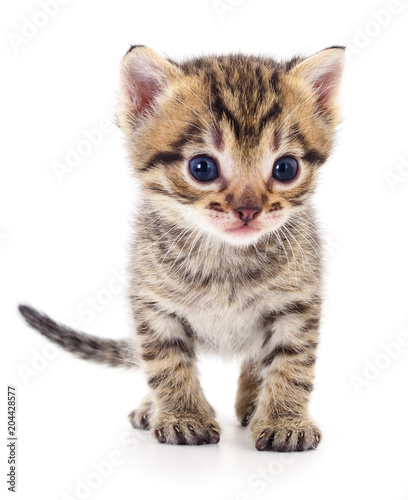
point(231, 145)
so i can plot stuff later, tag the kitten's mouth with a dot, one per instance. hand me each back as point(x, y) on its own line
point(243, 230)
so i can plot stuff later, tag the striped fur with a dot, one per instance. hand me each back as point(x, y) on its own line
point(89, 347)
point(196, 287)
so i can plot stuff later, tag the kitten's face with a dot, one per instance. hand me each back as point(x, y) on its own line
point(230, 145)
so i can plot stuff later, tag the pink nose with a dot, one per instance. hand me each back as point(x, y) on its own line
point(247, 214)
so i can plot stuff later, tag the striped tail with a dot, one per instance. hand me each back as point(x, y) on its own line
point(105, 351)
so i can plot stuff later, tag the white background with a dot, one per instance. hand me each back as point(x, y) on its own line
point(64, 241)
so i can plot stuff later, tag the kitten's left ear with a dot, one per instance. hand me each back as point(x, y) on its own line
point(323, 72)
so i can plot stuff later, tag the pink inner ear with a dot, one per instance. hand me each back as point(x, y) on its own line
point(326, 86)
point(142, 87)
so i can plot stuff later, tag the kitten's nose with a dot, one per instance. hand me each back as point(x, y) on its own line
point(247, 214)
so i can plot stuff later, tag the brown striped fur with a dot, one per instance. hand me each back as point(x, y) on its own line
point(197, 287)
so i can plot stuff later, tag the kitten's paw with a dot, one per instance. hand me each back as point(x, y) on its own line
point(286, 435)
point(245, 411)
point(247, 394)
point(186, 428)
point(140, 418)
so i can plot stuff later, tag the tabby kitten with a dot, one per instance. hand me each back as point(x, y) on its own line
point(227, 151)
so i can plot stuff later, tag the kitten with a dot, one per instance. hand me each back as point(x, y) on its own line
point(227, 151)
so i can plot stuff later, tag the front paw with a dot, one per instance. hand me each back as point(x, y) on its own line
point(186, 428)
point(285, 435)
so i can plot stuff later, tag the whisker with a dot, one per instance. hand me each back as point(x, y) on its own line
point(188, 258)
point(315, 247)
point(171, 246)
point(284, 249)
point(293, 253)
point(304, 256)
point(279, 129)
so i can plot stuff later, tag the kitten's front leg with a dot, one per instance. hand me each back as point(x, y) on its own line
point(179, 413)
point(281, 421)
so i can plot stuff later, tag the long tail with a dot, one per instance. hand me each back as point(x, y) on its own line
point(105, 351)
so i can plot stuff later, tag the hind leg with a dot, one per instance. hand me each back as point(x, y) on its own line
point(248, 390)
point(140, 418)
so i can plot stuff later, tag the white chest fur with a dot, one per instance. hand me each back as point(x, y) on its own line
point(230, 330)
point(227, 331)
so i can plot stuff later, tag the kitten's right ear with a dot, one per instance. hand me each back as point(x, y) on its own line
point(144, 78)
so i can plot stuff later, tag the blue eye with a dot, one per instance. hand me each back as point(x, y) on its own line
point(285, 169)
point(203, 169)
